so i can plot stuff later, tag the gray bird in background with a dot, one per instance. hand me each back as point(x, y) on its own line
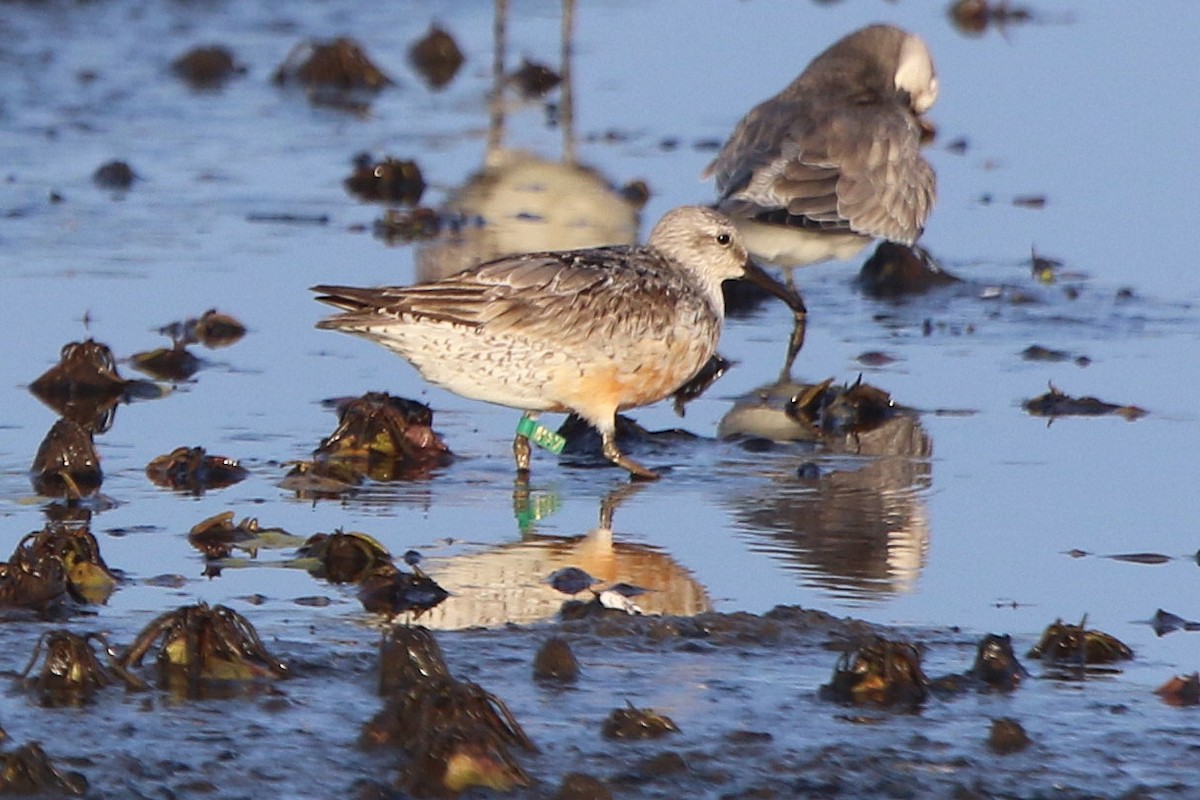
point(833, 161)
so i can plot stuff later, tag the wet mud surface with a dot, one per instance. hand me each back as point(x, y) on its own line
point(744, 691)
point(1031, 391)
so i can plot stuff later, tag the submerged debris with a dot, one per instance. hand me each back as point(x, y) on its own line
point(1140, 558)
point(83, 368)
point(1043, 268)
point(215, 329)
point(85, 386)
point(1035, 201)
point(1066, 645)
point(67, 464)
point(409, 656)
point(191, 469)
point(836, 410)
point(391, 180)
point(70, 673)
point(76, 550)
point(212, 329)
point(384, 438)
point(321, 480)
point(448, 764)
point(400, 226)
point(996, 668)
point(1007, 736)
point(637, 723)
point(344, 557)
point(1165, 622)
point(207, 67)
point(336, 73)
point(878, 672)
point(341, 64)
point(996, 664)
point(436, 57)
point(1057, 404)
point(217, 536)
point(1036, 352)
point(875, 358)
point(27, 770)
point(40, 586)
point(973, 17)
point(175, 363)
point(1182, 690)
point(200, 648)
point(114, 175)
point(581, 786)
point(555, 662)
point(534, 79)
point(455, 733)
point(896, 270)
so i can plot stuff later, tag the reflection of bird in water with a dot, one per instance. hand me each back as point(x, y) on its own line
point(591, 331)
point(833, 160)
point(619, 596)
point(507, 583)
point(526, 202)
point(389, 591)
point(571, 580)
point(413, 559)
point(857, 525)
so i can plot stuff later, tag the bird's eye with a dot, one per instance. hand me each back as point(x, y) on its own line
point(723, 238)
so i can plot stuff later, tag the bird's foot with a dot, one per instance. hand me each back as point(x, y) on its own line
point(636, 471)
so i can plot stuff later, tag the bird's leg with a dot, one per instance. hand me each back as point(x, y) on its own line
point(795, 343)
point(800, 312)
point(636, 470)
point(521, 448)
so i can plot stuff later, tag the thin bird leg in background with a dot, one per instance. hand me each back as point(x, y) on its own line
point(636, 470)
point(793, 299)
point(795, 342)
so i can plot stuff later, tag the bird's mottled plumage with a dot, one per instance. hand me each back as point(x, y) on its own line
point(838, 150)
point(592, 331)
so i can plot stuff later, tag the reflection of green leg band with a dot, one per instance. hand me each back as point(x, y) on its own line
point(540, 435)
point(535, 507)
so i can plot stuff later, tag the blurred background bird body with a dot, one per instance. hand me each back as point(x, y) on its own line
point(833, 161)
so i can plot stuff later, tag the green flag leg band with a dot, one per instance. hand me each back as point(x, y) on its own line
point(540, 435)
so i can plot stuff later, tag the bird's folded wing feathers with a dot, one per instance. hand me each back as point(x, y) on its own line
point(847, 171)
point(531, 293)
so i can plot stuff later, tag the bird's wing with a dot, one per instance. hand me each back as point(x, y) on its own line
point(575, 295)
point(753, 145)
point(857, 168)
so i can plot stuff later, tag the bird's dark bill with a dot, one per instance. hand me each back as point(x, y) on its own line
point(757, 276)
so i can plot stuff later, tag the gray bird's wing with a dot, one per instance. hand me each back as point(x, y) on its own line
point(854, 166)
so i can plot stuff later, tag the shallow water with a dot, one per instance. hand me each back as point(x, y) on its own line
point(962, 518)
